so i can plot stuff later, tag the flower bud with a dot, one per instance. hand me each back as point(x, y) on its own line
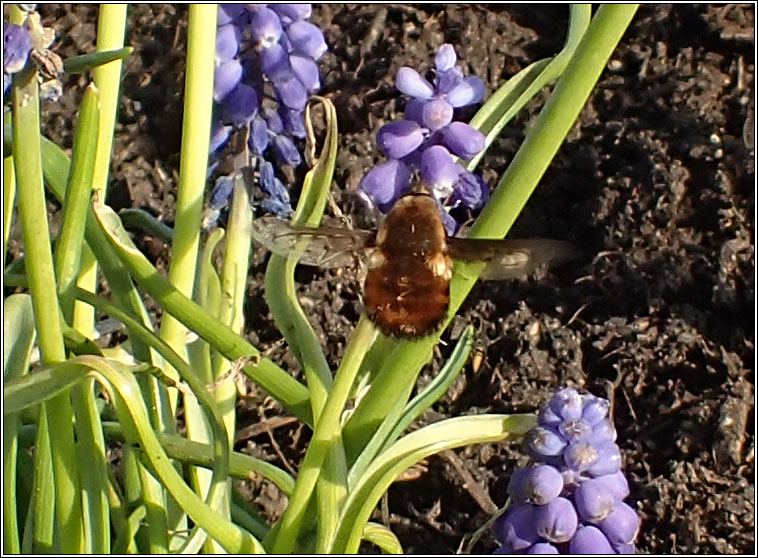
point(468, 92)
point(409, 82)
point(384, 183)
point(556, 521)
point(517, 527)
point(445, 58)
point(588, 539)
point(462, 139)
point(621, 525)
point(397, 139)
point(306, 39)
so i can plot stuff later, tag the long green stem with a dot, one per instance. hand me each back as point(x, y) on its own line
point(196, 124)
point(41, 276)
point(327, 429)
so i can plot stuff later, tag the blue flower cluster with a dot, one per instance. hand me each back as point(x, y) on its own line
point(571, 501)
point(428, 139)
point(17, 44)
point(265, 72)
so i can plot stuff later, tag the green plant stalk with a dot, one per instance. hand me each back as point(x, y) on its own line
point(297, 331)
point(233, 288)
point(111, 27)
point(82, 63)
point(208, 295)
point(18, 339)
point(431, 439)
point(241, 466)
point(41, 276)
point(382, 537)
point(499, 109)
point(9, 197)
point(196, 124)
point(402, 415)
point(68, 249)
point(291, 393)
point(513, 190)
point(134, 218)
point(220, 442)
point(326, 430)
point(509, 99)
point(124, 392)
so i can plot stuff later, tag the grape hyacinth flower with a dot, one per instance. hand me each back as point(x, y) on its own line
point(17, 44)
point(571, 501)
point(428, 140)
point(31, 41)
point(265, 72)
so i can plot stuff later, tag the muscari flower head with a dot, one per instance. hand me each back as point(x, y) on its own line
point(428, 140)
point(571, 500)
point(265, 72)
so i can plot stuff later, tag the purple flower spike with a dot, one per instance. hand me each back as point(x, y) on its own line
point(266, 27)
point(306, 39)
point(292, 12)
point(397, 139)
point(593, 501)
point(227, 42)
point(586, 515)
point(621, 525)
point(437, 114)
point(225, 78)
point(286, 151)
point(463, 140)
point(259, 137)
point(544, 442)
point(16, 47)
point(445, 58)
point(556, 521)
point(517, 527)
point(439, 171)
point(409, 82)
point(589, 540)
point(240, 105)
point(542, 548)
point(290, 91)
point(384, 183)
point(468, 92)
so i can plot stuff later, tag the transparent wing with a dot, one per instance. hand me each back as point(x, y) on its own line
point(323, 246)
point(509, 259)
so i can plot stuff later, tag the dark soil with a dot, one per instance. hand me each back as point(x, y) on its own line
point(655, 184)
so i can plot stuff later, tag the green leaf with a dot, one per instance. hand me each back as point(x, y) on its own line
point(437, 437)
point(84, 62)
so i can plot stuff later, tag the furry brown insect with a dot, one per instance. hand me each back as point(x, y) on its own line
point(409, 260)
